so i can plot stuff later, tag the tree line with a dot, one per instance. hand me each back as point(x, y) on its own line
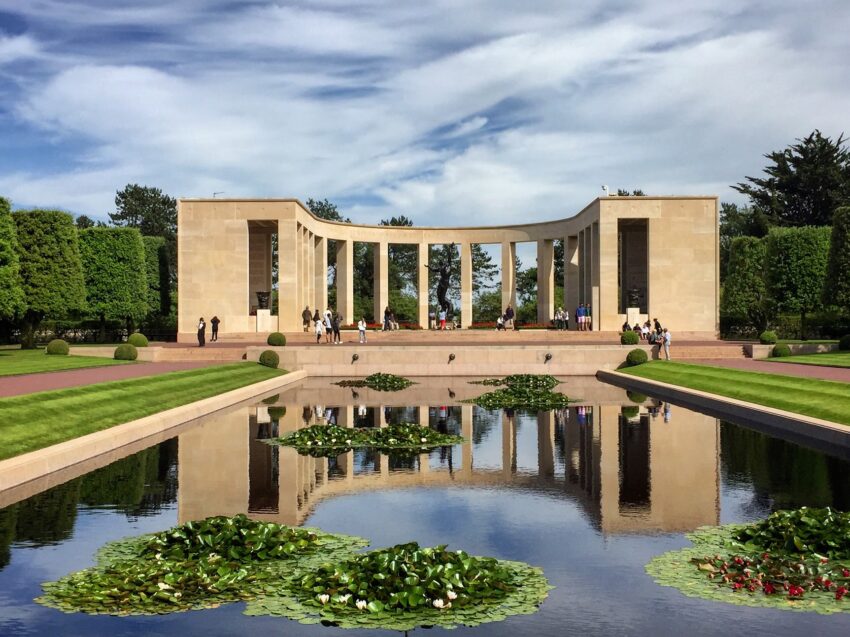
point(788, 250)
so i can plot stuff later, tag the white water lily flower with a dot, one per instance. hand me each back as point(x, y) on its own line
point(164, 587)
point(451, 595)
point(438, 603)
point(333, 439)
point(324, 598)
point(361, 604)
point(343, 599)
point(348, 442)
point(309, 443)
point(423, 440)
point(448, 605)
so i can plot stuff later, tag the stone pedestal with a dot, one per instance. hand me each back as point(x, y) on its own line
point(633, 315)
point(265, 321)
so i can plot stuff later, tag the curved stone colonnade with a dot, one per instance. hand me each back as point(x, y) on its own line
point(628, 257)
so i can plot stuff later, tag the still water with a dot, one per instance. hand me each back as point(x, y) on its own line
point(589, 493)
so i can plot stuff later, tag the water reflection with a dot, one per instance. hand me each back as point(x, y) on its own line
point(630, 471)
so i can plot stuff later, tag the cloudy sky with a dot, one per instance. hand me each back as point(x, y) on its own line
point(448, 111)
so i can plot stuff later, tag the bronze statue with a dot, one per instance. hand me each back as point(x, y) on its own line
point(445, 271)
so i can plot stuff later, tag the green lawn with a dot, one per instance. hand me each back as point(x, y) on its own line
point(39, 420)
point(14, 362)
point(818, 398)
point(827, 359)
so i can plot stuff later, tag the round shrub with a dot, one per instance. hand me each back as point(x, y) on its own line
point(126, 352)
point(277, 413)
point(630, 412)
point(781, 350)
point(636, 397)
point(629, 338)
point(276, 339)
point(137, 339)
point(271, 400)
point(768, 337)
point(636, 357)
point(269, 359)
point(57, 347)
point(844, 343)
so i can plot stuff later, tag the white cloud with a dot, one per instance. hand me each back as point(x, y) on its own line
point(18, 47)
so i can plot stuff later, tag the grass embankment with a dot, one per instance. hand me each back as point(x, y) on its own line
point(34, 421)
point(827, 359)
point(813, 397)
point(14, 362)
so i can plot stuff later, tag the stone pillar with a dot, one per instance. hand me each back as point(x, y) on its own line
point(289, 308)
point(320, 271)
point(582, 267)
point(381, 293)
point(571, 277)
point(466, 285)
point(422, 285)
point(310, 270)
point(595, 300)
point(508, 275)
point(545, 281)
point(345, 280)
point(466, 432)
point(303, 280)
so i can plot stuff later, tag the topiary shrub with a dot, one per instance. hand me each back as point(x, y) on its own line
point(636, 397)
point(276, 339)
point(278, 412)
point(137, 339)
point(630, 412)
point(844, 343)
point(269, 359)
point(636, 357)
point(57, 347)
point(768, 337)
point(629, 338)
point(781, 350)
point(126, 352)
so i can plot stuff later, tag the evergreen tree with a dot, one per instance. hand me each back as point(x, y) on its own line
point(745, 292)
point(837, 286)
point(11, 293)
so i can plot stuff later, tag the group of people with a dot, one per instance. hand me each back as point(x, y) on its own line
point(327, 323)
point(652, 333)
point(202, 330)
point(389, 320)
point(506, 320)
point(562, 319)
point(584, 318)
point(437, 318)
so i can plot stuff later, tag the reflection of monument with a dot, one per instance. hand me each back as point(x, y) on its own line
point(628, 476)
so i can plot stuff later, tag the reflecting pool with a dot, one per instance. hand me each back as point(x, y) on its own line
point(589, 493)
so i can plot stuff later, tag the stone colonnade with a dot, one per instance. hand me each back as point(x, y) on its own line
point(224, 258)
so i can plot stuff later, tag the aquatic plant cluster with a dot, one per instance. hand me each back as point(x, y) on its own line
point(521, 391)
point(303, 574)
point(331, 440)
point(379, 382)
point(796, 559)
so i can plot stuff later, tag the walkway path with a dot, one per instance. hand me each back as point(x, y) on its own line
point(45, 381)
point(841, 374)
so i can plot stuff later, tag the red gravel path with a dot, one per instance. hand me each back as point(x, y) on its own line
point(840, 374)
point(45, 381)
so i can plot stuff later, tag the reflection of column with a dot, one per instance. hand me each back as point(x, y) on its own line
point(508, 445)
point(545, 280)
point(288, 486)
point(422, 284)
point(320, 272)
point(380, 417)
point(424, 417)
point(607, 422)
point(345, 280)
point(596, 309)
point(546, 443)
point(466, 285)
point(508, 275)
point(466, 432)
point(289, 312)
point(381, 288)
point(571, 279)
point(345, 418)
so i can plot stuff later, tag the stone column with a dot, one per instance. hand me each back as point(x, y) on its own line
point(289, 310)
point(545, 280)
point(466, 285)
point(422, 284)
point(466, 432)
point(310, 270)
point(345, 280)
point(320, 271)
point(304, 279)
point(382, 285)
point(508, 275)
point(571, 277)
point(595, 299)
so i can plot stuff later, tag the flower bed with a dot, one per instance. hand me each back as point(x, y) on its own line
point(379, 382)
point(796, 560)
point(521, 391)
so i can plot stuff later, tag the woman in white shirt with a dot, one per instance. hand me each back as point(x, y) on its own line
point(361, 328)
point(318, 330)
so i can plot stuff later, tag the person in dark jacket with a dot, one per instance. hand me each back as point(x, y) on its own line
point(214, 321)
point(202, 332)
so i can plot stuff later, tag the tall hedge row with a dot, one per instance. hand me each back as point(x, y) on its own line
point(837, 289)
point(11, 293)
point(745, 292)
point(157, 269)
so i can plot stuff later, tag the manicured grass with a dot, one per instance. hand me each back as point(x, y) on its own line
point(797, 341)
point(813, 397)
point(827, 359)
point(34, 421)
point(14, 362)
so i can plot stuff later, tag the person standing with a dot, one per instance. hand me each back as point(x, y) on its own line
point(667, 338)
point(305, 318)
point(335, 323)
point(318, 326)
point(443, 318)
point(328, 325)
point(214, 321)
point(509, 318)
point(387, 319)
point(361, 329)
point(202, 332)
point(432, 319)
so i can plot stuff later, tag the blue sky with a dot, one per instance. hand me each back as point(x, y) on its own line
point(452, 112)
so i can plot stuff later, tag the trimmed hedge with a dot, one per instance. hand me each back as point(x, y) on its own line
point(269, 359)
point(629, 338)
point(768, 337)
point(57, 347)
point(126, 352)
point(277, 412)
point(781, 350)
point(137, 339)
point(636, 397)
point(276, 339)
point(844, 343)
point(636, 357)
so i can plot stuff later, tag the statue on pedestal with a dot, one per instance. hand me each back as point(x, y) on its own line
point(445, 272)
